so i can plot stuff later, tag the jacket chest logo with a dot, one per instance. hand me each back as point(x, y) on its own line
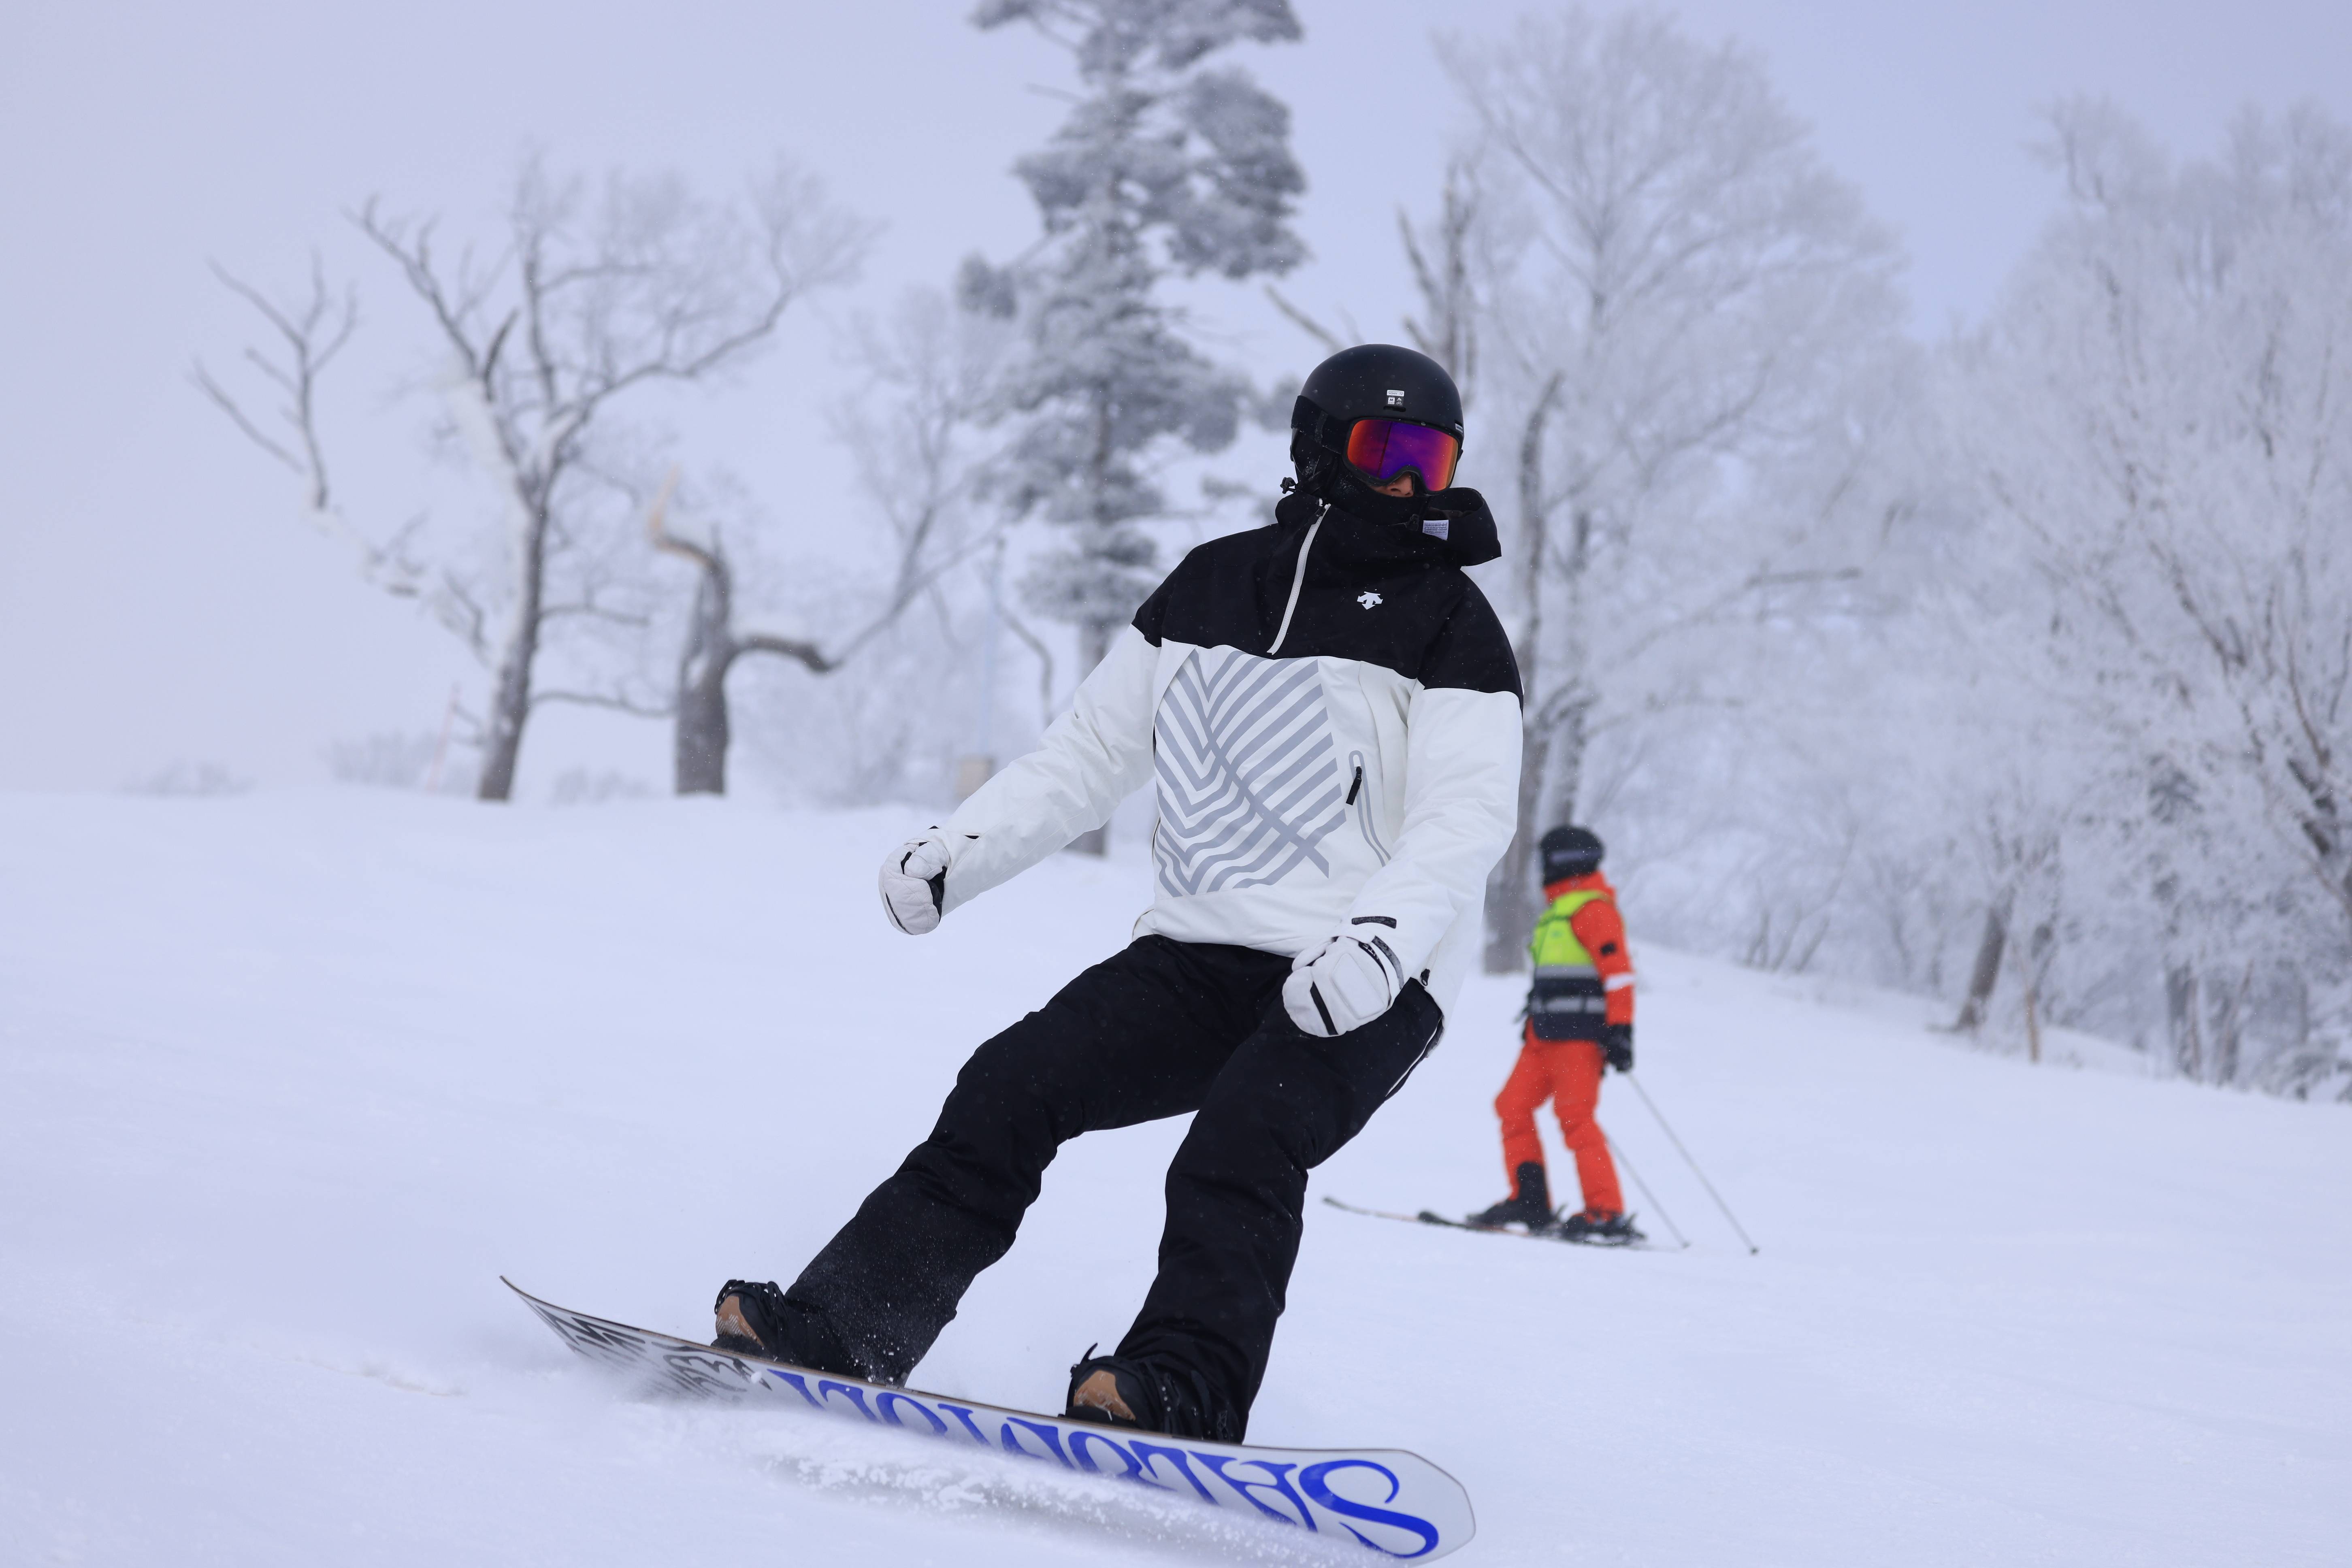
point(1368, 598)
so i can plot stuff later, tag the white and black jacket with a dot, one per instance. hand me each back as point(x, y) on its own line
point(1331, 710)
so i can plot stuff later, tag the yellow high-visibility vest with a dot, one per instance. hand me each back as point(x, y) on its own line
point(1567, 1001)
point(1554, 946)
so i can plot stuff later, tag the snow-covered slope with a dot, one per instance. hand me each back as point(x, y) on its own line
point(286, 1083)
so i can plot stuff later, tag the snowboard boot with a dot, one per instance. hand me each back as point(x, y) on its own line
point(1596, 1227)
point(754, 1319)
point(1117, 1391)
point(1530, 1204)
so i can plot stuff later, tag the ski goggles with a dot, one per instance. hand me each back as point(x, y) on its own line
point(1384, 448)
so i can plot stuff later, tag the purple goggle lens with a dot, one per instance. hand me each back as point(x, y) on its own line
point(1384, 448)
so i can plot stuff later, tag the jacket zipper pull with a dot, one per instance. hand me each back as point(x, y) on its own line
point(1356, 786)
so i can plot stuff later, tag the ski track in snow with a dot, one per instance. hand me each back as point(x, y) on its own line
point(286, 1080)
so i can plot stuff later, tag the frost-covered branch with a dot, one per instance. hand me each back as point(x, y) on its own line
point(614, 702)
point(310, 335)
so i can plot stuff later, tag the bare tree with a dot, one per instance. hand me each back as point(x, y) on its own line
point(593, 296)
point(702, 729)
point(934, 367)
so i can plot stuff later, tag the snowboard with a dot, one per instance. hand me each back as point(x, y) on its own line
point(1427, 1216)
point(1397, 1503)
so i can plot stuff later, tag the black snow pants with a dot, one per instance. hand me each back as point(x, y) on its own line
point(1159, 1029)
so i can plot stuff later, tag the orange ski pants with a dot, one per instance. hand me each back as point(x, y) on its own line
point(1568, 1073)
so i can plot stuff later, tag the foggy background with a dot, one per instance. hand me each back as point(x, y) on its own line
point(1942, 558)
point(160, 603)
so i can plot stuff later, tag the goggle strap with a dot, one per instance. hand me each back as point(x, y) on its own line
point(1320, 427)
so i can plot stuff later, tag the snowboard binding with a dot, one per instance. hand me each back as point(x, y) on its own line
point(750, 1317)
point(1124, 1391)
point(756, 1319)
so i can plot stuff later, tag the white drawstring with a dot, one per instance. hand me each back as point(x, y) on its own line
point(1298, 581)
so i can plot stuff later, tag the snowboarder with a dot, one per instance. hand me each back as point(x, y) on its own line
point(1580, 1022)
point(1331, 712)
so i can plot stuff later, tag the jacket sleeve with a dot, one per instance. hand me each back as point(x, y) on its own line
point(1601, 930)
point(1092, 758)
point(1461, 805)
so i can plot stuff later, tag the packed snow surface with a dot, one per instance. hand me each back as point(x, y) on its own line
point(288, 1081)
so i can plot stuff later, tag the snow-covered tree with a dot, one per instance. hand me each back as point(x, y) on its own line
point(1676, 296)
point(1166, 165)
point(2159, 420)
point(596, 293)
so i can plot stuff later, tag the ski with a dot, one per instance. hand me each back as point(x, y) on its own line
point(1427, 1216)
point(1396, 1503)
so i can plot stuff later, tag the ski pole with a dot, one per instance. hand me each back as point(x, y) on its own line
point(1660, 1209)
point(1685, 1153)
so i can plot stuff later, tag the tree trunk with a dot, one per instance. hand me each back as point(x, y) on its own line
point(1564, 747)
point(1093, 643)
point(702, 732)
point(1564, 759)
point(1986, 973)
point(1514, 890)
point(1511, 885)
point(2038, 950)
point(1094, 634)
point(2229, 1008)
point(511, 700)
point(509, 707)
point(2188, 1037)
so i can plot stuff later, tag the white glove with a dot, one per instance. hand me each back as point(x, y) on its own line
point(914, 882)
point(1342, 985)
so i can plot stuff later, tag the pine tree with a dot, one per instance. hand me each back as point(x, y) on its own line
point(1163, 167)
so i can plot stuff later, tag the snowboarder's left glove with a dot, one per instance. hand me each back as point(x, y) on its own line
point(915, 883)
point(1617, 1045)
point(1342, 985)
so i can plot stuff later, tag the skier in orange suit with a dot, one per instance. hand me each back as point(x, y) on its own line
point(1580, 1022)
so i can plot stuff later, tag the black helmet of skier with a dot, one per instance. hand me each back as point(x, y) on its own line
point(1368, 417)
point(1569, 852)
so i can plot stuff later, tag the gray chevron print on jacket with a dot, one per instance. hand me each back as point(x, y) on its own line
point(1249, 785)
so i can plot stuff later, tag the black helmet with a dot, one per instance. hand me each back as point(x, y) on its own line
point(1370, 381)
point(1375, 380)
point(1571, 852)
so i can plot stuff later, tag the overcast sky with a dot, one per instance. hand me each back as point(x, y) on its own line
point(159, 600)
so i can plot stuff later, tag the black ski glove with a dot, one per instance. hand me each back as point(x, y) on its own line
point(1617, 1045)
